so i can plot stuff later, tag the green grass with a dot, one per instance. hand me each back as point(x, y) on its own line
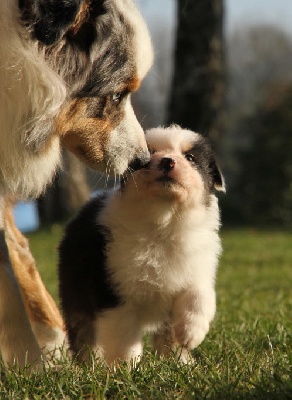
point(246, 355)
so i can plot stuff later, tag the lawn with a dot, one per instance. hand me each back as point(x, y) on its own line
point(246, 355)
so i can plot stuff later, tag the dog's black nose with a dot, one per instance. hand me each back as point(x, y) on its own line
point(166, 164)
point(139, 163)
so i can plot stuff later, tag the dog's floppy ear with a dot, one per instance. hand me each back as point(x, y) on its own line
point(217, 177)
point(52, 18)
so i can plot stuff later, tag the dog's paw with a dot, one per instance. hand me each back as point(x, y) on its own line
point(191, 331)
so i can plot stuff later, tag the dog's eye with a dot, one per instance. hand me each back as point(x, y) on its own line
point(190, 157)
point(117, 97)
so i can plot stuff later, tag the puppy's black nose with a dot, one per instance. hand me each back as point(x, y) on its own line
point(166, 164)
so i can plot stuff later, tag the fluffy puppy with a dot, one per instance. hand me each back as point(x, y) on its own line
point(143, 258)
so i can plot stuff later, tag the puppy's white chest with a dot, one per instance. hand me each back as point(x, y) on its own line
point(146, 267)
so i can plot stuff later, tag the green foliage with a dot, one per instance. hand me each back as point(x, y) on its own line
point(44, 247)
point(246, 355)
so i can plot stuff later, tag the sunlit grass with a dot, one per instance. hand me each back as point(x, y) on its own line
point(246, 355)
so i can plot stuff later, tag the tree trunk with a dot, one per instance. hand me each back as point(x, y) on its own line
point(198, 88)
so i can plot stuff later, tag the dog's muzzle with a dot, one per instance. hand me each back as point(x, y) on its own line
point(139, 162)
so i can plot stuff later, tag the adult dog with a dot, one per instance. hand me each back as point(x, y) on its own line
point(68, 68)
point(144, 257)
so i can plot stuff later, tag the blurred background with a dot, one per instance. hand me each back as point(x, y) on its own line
point(222, 68)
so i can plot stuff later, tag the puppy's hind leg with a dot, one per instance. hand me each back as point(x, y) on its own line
point(82, 336)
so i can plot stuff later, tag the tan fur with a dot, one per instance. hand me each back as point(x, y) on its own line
point(81, 17)
point(39, 303)
point(84, 137)
point(132, 85)
point(40, 306)
point(16, 335)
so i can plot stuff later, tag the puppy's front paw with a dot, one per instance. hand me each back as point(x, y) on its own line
point(190, 331)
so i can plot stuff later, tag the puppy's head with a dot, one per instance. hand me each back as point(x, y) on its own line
point(182, 168)
point(102, 50)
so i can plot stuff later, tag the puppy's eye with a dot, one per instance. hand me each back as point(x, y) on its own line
point(190, 157)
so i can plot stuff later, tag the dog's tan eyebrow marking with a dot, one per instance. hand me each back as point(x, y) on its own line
point(131, 85)
point(81, 17)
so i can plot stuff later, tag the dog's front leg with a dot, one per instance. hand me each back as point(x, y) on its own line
point(192, 312)
point(45, 318)
point(17, 341)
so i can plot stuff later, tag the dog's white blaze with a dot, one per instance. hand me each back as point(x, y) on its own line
point(125, 140)
point(143, 48)
point(30, 92)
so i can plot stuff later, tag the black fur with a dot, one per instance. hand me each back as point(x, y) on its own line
point(113, 63)
point(85, 287)
point(49, 19)
point(205, 162)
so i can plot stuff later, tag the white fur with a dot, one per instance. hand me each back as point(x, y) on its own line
point(128, 136)
point(125, 139)
point(162, 260)
point(143, 51)
point(30, 93)
point(30, 96)
point(51, 340)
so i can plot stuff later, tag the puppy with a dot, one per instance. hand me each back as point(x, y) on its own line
point(68, 68)
point(143, 258)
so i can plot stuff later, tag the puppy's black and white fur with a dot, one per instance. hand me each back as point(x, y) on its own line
point(143, 258)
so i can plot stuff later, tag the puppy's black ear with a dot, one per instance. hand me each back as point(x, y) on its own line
point(52, 18)
point(217, 177)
